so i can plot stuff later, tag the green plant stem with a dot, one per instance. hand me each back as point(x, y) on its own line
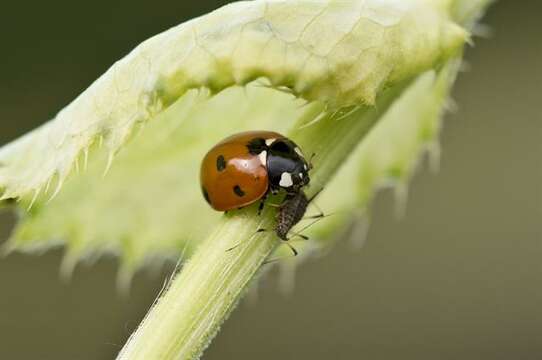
point(185, 319)
point(189, 313)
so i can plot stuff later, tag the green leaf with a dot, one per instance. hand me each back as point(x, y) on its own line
point(362, 84)
point(278, 65)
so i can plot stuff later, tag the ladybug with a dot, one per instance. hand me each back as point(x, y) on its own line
point(244, 168)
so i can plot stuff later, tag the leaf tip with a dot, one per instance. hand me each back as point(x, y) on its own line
point(68, 264)
point(125, 276)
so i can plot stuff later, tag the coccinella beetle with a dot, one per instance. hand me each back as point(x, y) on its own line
point(246, 167)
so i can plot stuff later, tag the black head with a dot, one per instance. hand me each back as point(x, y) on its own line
point(286, 166)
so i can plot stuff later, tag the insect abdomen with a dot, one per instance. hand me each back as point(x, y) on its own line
point(290, 213)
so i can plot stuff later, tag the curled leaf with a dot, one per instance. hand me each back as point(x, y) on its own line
point(116, 170)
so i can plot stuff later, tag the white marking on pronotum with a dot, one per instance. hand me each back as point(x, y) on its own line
point(305, 167)
point(286, 180)
point(263, 157)
point(298, 151)
point(268, 142)
point(301, 175)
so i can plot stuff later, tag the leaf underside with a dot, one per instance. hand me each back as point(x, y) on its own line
point(117, 170)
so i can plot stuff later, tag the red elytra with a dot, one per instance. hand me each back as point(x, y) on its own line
point(245, 167)
point(231, 176)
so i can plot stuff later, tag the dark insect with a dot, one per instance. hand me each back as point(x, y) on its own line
point(291, 211)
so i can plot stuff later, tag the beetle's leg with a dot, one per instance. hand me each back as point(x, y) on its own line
point(265, 198)
point(262, 203)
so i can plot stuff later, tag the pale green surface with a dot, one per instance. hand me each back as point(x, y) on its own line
point(149, 202)
point(180, 326)
point(191, 311)
point(375, 68)
point(188, 316)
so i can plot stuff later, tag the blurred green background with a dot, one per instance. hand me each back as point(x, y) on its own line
point(459, 277)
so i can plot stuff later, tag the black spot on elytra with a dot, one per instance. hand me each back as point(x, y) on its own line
point(220, 163)
point(205, 195)
point(238, 191)
point(256, 146)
